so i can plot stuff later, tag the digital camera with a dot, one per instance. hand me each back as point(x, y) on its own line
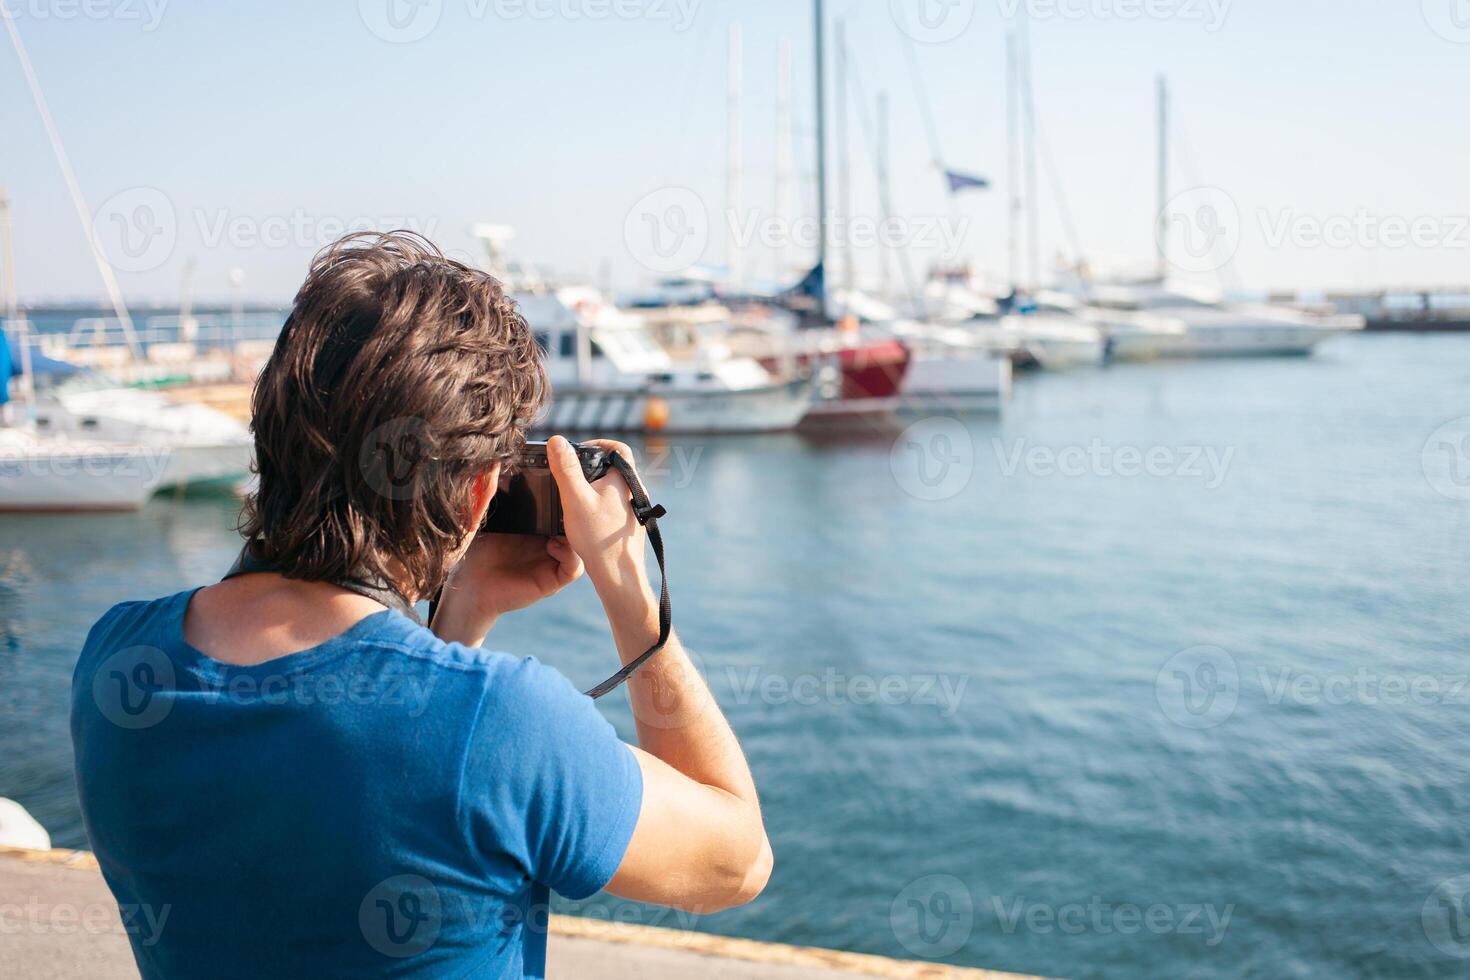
point(529, 502)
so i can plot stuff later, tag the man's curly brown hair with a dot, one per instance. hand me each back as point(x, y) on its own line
point(399, 376)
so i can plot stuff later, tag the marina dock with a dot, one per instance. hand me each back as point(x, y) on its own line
point(58, 921)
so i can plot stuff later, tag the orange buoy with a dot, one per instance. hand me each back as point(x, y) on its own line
point(655, 415)
point(848, 324)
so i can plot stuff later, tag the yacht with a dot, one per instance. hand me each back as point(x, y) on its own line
point(609, 374)
point(205, 447)
point(952, 369)
point(1211, 326)
point(43, 472)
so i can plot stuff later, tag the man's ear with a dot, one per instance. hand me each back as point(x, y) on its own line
point(487, 484)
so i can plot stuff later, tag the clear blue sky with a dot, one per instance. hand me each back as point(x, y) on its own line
point(252, 118)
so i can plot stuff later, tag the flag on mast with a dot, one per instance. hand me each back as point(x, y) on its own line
point(959, 181)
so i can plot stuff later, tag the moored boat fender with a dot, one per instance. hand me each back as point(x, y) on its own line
point(656, 415)
point(19, 829)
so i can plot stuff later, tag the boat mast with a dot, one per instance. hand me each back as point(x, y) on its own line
point(1161, 230)
point(79, 203)
point(821, 96)
point(733, 142)
point(784, 206)
point(1033, 197)
point(844, 162)
point(1013, 160)
point(884, 278)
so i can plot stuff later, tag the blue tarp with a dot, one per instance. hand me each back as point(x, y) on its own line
point(41, 365)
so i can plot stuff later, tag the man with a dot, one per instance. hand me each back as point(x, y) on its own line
point(282, 777)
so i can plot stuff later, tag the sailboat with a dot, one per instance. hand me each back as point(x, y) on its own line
point(861, 375)
point(1207, 324)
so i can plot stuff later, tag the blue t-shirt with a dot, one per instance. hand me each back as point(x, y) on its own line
point(382, 805)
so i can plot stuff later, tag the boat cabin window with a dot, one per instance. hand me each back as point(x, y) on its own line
point(569, 344)
point(543, 341)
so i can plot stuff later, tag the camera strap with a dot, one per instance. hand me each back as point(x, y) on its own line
point(368, 586)
point(647, 514)
point(380, 591)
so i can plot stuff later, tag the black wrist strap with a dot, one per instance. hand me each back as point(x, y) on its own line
point(647, 514)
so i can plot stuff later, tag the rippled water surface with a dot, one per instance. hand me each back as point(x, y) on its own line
point(1160, 674)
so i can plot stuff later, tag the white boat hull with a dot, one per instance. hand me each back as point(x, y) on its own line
point(46, 476)
point(1248, 340)
point(206, 466)
point(204, 446)
point(956, 381)
point(677, 411)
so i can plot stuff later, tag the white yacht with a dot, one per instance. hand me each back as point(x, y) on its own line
point(204, 447)
point(1211, 326)
point(609, 375)
point(40, 472)
point(950, 368)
